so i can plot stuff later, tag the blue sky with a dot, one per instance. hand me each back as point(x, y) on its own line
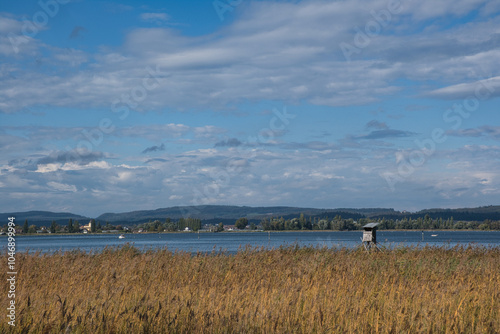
point(118, 106)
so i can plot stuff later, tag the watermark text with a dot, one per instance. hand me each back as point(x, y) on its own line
point(11, 271)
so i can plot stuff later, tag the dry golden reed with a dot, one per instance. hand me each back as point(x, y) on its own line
point(285, 290)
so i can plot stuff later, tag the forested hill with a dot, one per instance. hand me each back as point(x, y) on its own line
point(228, 214)
point(217, 213)
point(466, 214)
point(42, 218)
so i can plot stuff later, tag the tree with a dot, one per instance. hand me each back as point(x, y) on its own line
point(302, 221)
point(323, 225)
point(266, 224)
point(169, 225)
point(98, 226)
point(76, 226)
point(92, 226)
point(153, 226)
point(181, 224)
point(241, 223)
point(32, 229)
point(220, 227)
point(70, 226)
point(53, 227)
point(25, 226)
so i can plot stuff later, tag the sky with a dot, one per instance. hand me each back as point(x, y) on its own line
point(120, 106)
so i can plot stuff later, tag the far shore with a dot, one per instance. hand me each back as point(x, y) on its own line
point(237, 231)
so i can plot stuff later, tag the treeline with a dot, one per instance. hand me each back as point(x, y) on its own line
point(193, 224)
point(338, 223)
point(473, 214)
point(73, 226)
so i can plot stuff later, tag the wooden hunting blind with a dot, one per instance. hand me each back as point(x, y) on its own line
point(370, 235)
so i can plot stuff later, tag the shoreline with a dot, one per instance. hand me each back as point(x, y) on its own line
point(242, 231)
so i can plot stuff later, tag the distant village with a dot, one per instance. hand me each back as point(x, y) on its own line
point(182, 225)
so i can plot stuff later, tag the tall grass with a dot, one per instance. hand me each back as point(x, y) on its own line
point(285, 290)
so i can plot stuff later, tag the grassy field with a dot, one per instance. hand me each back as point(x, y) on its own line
point(286, 290)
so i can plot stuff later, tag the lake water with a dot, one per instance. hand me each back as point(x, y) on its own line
point(232, 241)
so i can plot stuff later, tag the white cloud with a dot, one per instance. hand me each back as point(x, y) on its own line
point(62, 187)
point(175, 197)
point(256, 177)
point(71, 166)
point(154, 132)
point(72, 57)
point(154, 17)
point(481, 90)
point(276, 51)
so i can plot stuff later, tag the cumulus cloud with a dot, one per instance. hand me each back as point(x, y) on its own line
point(154, 132)
point(374, 124)
point(62, 187)
point(76, 32)
point(81, 157)
point(154, 148)
point(492, 132)
point(9, 24)
point(12, 41)
point(231, 142)
point(316, 177)
point(71, 56)
point(388, 133)
point(311, 145)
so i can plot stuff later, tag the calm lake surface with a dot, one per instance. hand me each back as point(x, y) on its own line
point(232, 241)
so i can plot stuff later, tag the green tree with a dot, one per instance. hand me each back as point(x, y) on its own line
point(25, 226)
point(266, 224)
point(169, 225)
point(70, 226)
point(241, 223)
point(220, 227)
point(302, 221)
point(92, 226)
point(152, 226)
point(323, 225)
point(32, 229)
point(307, 225)
point(98, 226)
point(76, 226)
point(53, 227)
point(181, 224)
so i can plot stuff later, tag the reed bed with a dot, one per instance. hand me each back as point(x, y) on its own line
point(284, 290)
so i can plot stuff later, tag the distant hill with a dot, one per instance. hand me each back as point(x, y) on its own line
point(491, 212)
point(218, 213)
point(42, 218)
point(228, 214)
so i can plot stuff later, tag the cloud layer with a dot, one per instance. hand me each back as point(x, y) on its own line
point(220, 145)
point(274, 51)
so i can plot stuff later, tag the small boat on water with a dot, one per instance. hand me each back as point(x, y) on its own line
point(434, 235)
point(121, 236)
